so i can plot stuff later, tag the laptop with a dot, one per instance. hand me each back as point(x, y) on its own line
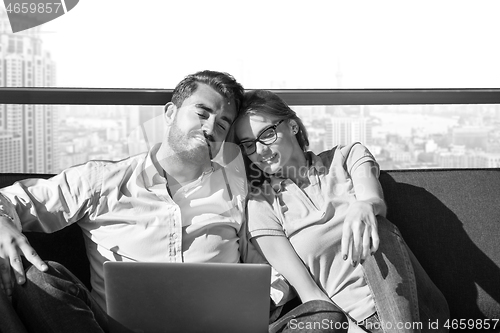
point(187, 297)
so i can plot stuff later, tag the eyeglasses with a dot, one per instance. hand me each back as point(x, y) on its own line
point(267, 137)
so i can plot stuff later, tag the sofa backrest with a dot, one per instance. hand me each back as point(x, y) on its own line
point(450, 219)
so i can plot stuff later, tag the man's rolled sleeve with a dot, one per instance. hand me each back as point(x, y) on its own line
point(7, 209)
point(47, 205)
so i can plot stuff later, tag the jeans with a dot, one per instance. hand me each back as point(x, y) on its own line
point(312, 317)
point(9, 322)
point(56, 301)
point(406, 300)
point(371, 324)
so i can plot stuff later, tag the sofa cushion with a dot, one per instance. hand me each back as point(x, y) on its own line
point(450, 219)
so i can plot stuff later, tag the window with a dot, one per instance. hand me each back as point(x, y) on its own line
point(410, 136)
point(81, 133)
point(12, 46)
point(19, 46)
point(338, 45)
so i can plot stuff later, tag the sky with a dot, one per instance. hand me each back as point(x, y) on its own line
point(278, 44)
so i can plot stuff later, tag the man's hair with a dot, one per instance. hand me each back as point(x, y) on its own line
point(221, 82)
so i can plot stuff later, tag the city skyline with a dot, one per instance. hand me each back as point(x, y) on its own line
point(46, 138)
point(27, 132)
point(411, 136)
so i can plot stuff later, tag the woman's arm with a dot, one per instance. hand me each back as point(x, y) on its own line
point(280, 254)
point(360, 234)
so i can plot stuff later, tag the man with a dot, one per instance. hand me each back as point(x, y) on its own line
point(171, 204)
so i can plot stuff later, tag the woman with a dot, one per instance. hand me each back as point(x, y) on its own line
point(320, 221)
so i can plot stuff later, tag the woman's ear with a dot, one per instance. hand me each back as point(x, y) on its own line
point(294, 127)
point(169, 113)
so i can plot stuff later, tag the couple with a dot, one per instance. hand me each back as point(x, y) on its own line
point(318, 220)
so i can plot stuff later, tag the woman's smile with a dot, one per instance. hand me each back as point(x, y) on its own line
point(270, 159)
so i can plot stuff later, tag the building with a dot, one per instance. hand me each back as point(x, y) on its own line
point(345, 130)
point(30, 129)
point(488, 160)
point(471, 136)
point(10, 145)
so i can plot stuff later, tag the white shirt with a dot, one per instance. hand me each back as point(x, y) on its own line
point(127, 214)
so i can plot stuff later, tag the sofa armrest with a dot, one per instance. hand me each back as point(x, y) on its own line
point(66, 246)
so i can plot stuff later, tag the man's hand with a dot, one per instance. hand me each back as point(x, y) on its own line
point(13, 244)
point(359, 232)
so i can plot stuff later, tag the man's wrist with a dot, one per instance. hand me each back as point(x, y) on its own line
point(3, 214)
point(9, 218)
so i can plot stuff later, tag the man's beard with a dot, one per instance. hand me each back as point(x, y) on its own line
point(183, 147)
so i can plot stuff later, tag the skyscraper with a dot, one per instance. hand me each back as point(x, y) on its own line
point(28, 132)
point(348, 129)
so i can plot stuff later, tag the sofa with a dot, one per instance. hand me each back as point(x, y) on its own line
point(450, 219)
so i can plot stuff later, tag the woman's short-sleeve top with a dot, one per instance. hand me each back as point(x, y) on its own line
point(312, 218)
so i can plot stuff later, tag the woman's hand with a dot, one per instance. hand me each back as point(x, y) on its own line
point(360, 234)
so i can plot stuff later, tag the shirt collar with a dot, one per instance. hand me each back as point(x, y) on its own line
point(315, 163)
point(153, 172)
point(315, 167)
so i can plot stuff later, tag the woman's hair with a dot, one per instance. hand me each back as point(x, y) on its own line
point(267, 103)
